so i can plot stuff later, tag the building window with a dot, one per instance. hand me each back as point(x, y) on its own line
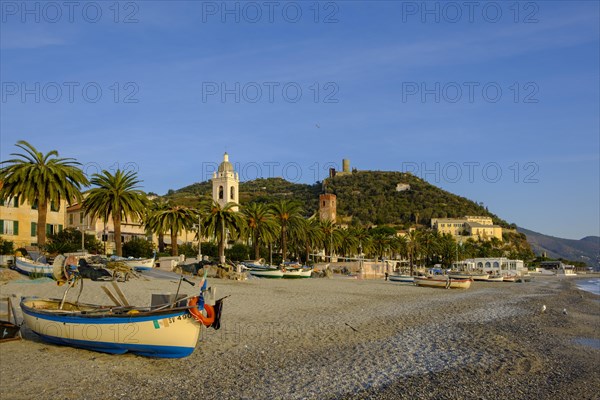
point(220, 192)
point(34, 229)
point(10, 202)
point(488, 265)
point(479, 265)
point(53, 206)
point(81, 218)
point(71, 219)
point(53, 229)
point(34, 206)
point(496, 265)
point(8, 227)
point(232, 195)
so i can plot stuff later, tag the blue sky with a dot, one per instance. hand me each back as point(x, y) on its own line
point(498, 103)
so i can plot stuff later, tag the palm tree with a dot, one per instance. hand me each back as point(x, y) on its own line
point(348, 242)
point(287, 214)
point(117, 196)
point(218, 220)
point(174, 219)
point(261, 225)
point(331, 235)
point(41, 179)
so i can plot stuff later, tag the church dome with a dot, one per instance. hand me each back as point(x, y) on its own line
point(226, 166)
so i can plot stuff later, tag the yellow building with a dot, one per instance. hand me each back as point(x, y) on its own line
point(18, 222)
point(473, 227)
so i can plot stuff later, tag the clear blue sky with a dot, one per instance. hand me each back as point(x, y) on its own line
point(454, 94)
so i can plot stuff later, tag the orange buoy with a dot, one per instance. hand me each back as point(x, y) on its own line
point(197, 314)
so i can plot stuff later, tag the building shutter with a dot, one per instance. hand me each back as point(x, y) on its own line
point(1, 226)
point(34, 229)
point(60, 227)
point(15, 228)
point(16, 202)
point(1, 202)
point(48, 229)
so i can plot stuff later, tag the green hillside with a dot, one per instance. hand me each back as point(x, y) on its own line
point(370, 197)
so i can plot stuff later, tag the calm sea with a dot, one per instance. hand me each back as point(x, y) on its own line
point(590, 285)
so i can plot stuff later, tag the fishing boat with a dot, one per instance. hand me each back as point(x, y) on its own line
point(168, 330)
point(469, 275)
point(162, 332)
point(266, 272)
point(495, 278)
point(137, 263)
point(297, 273)
point(402, 278)
point(34, 268)
point(510, 278)
point(442, 282)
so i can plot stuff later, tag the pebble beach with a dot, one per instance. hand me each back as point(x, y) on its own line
point(335, 339)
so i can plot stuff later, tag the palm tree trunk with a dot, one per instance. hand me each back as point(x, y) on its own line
point(161, 242)
point(117, 223)
point(283, 244)
point(174, 247)
point(41, 224)
point(256, 246)
point(222, 245)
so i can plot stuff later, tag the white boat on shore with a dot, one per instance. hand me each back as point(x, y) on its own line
point(495, 278)
point(266, 272)
point(33, 268)
point(442, 282)
point(401, 278)
point(469, 275)
point(297, 273)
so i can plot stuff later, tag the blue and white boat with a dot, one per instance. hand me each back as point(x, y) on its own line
point(402, 278)
point(168, 331)
point(34, 268)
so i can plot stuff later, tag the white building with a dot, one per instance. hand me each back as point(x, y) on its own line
point(494, 265)
point(225, 184)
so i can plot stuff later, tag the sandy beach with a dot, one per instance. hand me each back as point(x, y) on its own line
point(336, 339)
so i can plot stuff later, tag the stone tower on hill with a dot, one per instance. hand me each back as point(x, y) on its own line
point(225, 184)
point(327, 207)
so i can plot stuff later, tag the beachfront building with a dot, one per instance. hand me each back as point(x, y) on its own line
point(105, 232)
point(493, 265)
point(18, 222)
point(468, 227)
point(225, 183)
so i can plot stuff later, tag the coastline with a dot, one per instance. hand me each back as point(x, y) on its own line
point(337, 339)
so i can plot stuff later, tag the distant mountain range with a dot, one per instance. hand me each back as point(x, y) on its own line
point(586, 250)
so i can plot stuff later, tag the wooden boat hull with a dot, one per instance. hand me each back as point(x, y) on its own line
point(170, 333)
point(401, 278)
point(29, 267)
point(449, 283)
point(475, 277)
point(299, 273)
point(144, 264)
point(266, 273)
point(495, 279)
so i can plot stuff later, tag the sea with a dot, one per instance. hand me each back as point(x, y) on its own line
point(590, 285)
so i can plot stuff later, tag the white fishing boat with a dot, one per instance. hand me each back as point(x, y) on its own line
point(272, 273)
point(136, 263)
point(442, 282)
point(33, 268)
point(297, 273)
point(402, 278)
point(495, 278)
point(469, 275)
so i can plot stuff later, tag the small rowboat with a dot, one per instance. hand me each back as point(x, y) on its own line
point(510, 278)
point(401, 278)
point(443, 282)
point(162, 332)
point(497, 278)
point(272, 273)
point(30, 267)
point(297, 273)
point(465, 275)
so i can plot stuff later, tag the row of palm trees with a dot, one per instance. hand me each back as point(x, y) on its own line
point(44, 178)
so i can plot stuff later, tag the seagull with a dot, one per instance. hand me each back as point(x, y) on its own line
point(543, 308)
point(565, 311)
point(318, 126)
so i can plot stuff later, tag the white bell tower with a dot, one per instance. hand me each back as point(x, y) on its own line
point(225, 184)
